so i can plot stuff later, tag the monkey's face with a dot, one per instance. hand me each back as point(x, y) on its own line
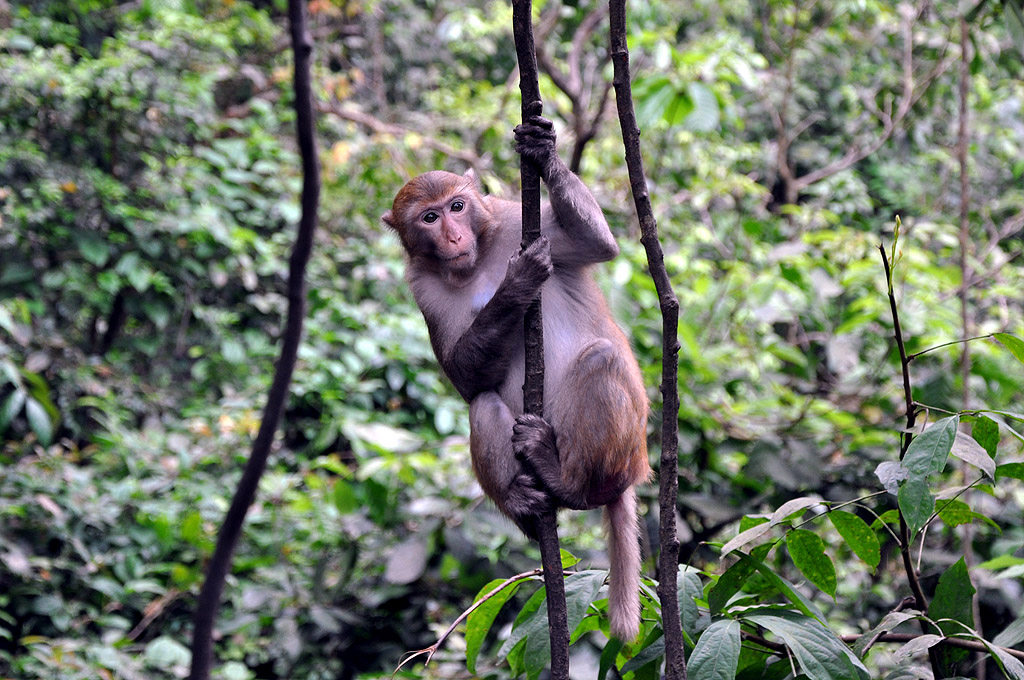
point(439, 217)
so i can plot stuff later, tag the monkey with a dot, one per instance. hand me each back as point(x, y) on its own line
point(473, 285)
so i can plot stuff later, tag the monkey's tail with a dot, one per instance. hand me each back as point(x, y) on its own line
point(624, 575)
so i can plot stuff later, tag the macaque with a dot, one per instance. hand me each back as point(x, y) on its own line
point(473, 285)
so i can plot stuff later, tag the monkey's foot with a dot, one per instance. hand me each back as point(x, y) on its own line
point(526, 501)
point(533, 441)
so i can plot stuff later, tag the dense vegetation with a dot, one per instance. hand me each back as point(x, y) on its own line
point(148, 196)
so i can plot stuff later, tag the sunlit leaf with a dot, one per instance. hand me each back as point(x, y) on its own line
point(858, 536)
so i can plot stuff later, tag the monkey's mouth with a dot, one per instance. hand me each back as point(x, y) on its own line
point(462, 259)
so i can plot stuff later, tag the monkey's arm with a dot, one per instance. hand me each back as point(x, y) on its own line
point(478, 360)
point(574, 221)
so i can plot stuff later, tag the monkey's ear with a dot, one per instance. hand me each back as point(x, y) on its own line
point(387, 219)
point(471, 176)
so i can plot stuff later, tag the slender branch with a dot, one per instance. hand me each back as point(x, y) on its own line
point(533, 386)
point(975, 645)
point(905, 539)
point(429, 652)
point(245, 494)
point(668, 563)
point(380, 127)
point(911, 357)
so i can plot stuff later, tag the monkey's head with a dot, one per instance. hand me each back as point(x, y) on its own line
point(440, 217)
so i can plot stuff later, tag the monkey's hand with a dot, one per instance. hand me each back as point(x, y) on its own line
point(535, 141)
point(533, 442)
point(528, 270)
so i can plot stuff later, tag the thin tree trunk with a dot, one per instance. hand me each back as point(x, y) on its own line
point(533, 387)
point(668, 562)
point(245, 494)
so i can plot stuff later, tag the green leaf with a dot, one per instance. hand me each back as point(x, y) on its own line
point(916, 503)
point(971, 452)
point(1012, 343)
point(916, 646)
point(11, 407)
point(858, 536)
point(808, 553)
point(1012, 635)
point(717, 653)
point(986, 432)
point(821, 655)
point(787, 589)
point(952, 600)
point(608, 655)
point(165, 653)
point(94, 249)
point(1013, 10)
point(729, 584)
point(1010, 470)
point(39, 421)
point(890, 621)
point(192, 528)
point(688, 588)
point(705, 114)
point(344, 497)
point(482, 618)
point(955, 512)
point(653, 649)
point(522, 626)
point(1010, 665)
point(744, 537)
point(580, 592)
point(928, 452)
point(568, 559)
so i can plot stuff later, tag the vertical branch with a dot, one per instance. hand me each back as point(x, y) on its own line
point(668, 563)
point(962, 143)
point(245, 494)
point(533, 386)
point(908, 395)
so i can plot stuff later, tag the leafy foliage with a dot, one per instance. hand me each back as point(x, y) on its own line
point(148, 187)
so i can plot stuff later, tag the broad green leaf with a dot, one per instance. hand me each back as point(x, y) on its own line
point(165, 653)
point(808, 553)
point(1002, 562)
point(1012, 635)
point(480, 619)
point(1010, 470)
point(653, 649)
point(531, 608)
point(955, 512)
point(744, 537)
point(568, 559)
point(729, 584)
point(192, 528)
point(971, 452)
point(11, 407)
point(787, 589)
point(792, 507)
point(689, 588)
point(580, 591)
point(916, 646)
point(344, 497)
point(705, 115)
point(717, 652)
point(1012, 343)
point(986, 432)
point(928, 452)
point(858, 536)
point(608, 655)
point(890, 621)
point(952, 600)
point(821, 655)
point(916, 504)
point(39, 421)
point(1010, 665)
point(94, 249)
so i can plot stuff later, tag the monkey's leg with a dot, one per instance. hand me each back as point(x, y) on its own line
point(503, 478)
point(586, 455)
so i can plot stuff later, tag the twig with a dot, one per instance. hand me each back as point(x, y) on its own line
point(975, 645)
point(245, 494)
point(533, 386)
point(668, 563)
point(432, 649)
point(908, 437)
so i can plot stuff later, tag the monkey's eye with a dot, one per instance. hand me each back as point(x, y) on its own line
point(458, 206)
point(430, 217)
